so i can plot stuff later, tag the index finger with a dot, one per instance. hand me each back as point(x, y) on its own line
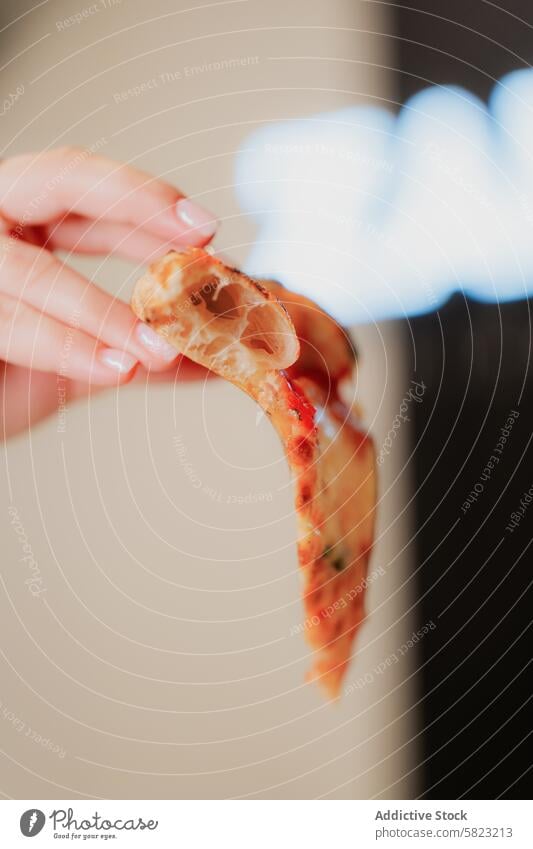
point(41, 187)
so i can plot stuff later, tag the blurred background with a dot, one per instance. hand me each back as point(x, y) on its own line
point(159, 657)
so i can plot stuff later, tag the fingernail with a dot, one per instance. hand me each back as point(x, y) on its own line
point(154, 343)
point(196, 218)
point(119, 361)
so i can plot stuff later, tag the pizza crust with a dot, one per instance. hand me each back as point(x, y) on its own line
point(215, 315)
point(291, 357)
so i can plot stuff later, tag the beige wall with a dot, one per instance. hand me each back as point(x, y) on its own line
point(159, 659)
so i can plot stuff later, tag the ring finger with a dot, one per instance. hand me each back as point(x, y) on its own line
point(41, 280)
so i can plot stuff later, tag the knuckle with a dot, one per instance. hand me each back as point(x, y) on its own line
point(10, 260)
point(20, 163)
point(8, 308)
point(13, 164)
point(22, 267)
point(41, 270)
point(68, 151)
point(43, 264)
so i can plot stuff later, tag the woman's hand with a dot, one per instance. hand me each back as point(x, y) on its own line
point(59, 333)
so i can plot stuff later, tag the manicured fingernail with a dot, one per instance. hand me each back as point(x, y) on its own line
point(119, 361)
point(154, 343)
point(196, 218)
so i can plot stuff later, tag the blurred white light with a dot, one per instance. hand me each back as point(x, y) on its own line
point(378, 216)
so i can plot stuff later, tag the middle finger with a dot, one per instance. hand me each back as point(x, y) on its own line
point(38, 278)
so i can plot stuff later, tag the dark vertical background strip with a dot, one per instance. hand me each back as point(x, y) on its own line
point(476, 362)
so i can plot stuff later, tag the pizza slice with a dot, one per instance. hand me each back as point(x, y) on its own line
point(294, 360)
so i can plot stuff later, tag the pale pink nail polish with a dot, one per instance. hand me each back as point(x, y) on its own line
point(154, 343)
point(119, 361)
point(196, 218)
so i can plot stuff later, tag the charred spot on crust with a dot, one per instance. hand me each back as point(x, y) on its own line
point(301, 448)
point(298, 402)
point(151, 315)
point(305, 494)
point(258, 286)
point(303, 497)
point(237, 272)
point(334, 558)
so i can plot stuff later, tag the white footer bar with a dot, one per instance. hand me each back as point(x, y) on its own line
point(266, 824)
